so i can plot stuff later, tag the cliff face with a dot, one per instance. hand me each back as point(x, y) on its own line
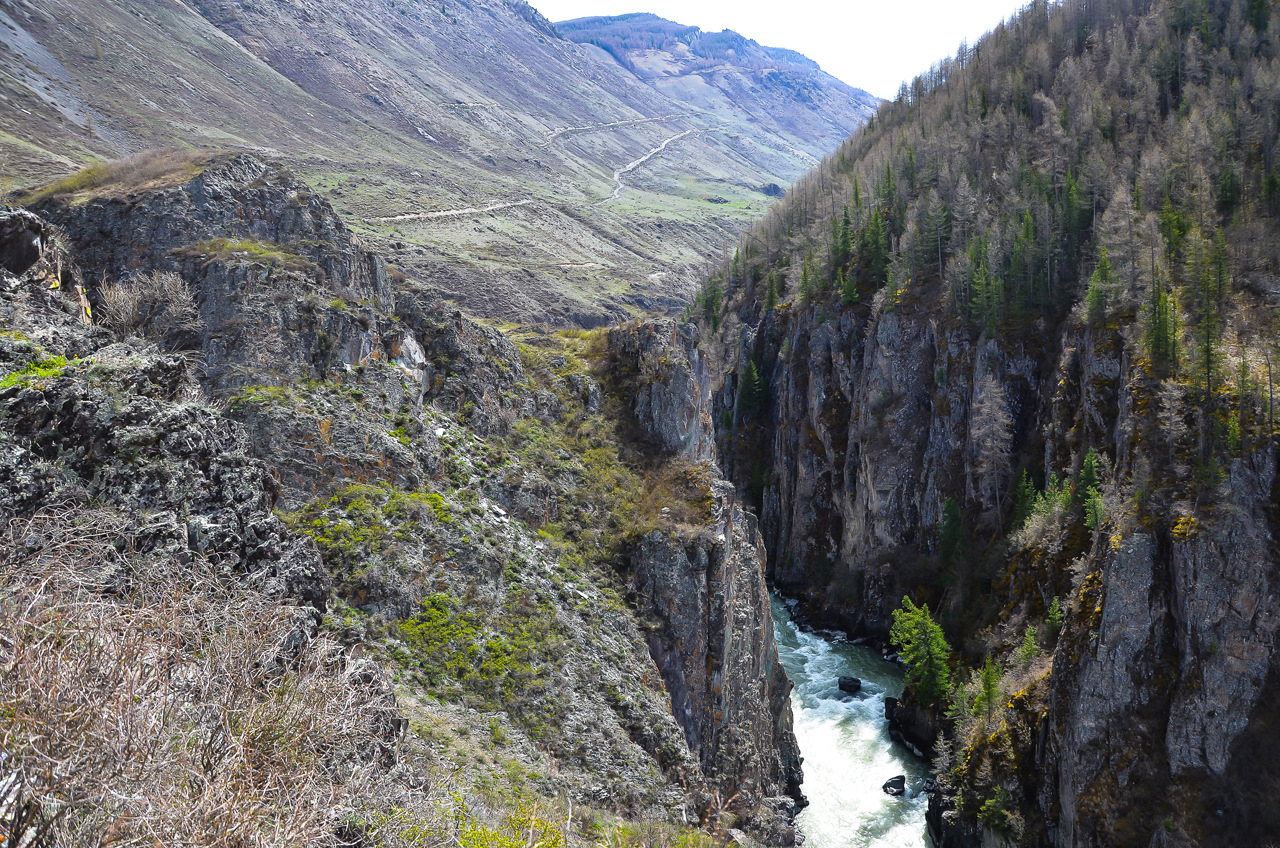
point(1010, 354)
point(873, 422)
point(705, 586)
point(866, 434)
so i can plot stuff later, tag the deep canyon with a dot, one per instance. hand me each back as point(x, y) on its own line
point(459, 522)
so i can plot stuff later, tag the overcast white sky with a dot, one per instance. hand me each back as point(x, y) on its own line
point(870, 44)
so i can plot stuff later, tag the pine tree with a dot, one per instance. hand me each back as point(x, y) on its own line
point(1024, 500)
point(1027, 652)
point(806, 281)
point(1088, 479)
point(844, 246)
point(1025, 261)
point(924, 648)
point(1095, 509)
point(1055, 617)
point(1160, 334)
point(874, 249)
point(1207, 278)
point(771, 292)
point(989, 696)
point(711, 297)
point(755, 391)
point(848, 288)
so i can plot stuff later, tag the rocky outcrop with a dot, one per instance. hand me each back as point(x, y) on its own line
point(22, 239)
point(84, 421)
point(660, 363)
point(912, 725)
point(705, 587)
point(283, 289)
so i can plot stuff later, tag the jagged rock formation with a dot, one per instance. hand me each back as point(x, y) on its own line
point(715, 647)
point(385, 466)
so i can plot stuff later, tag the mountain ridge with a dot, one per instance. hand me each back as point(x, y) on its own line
point(401, 111)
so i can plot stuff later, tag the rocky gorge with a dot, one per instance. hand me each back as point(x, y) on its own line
point(933, 383)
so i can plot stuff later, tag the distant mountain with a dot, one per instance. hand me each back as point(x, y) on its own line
point(515, 171)
point(726, 74)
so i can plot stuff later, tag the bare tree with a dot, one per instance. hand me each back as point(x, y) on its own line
point(991, 441)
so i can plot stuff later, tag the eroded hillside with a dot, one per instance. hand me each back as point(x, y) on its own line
point(513, 171)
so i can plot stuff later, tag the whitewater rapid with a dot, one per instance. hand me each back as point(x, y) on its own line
point(845, 743)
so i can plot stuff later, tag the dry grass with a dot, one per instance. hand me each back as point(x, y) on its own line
point(157, 305)
point(148, 703)
point(148, 169)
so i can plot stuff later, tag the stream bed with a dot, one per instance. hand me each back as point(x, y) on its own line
point(844, 740)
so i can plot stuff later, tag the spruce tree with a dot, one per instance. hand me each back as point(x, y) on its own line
point(806, 281)
point(848, 288)
point(1024, 500)
point(924, 648)
point(874, 249)
point(989, 696)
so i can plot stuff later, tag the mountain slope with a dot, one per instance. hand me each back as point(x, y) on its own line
point(726, 74)
point(1010, 353)
point(515, 171)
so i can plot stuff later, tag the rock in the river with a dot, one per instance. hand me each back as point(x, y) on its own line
point(850, 685)
point(895, 786)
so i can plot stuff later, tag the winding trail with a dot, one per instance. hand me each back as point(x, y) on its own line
point(452, 213)
point(631, 166)
point(559, 131)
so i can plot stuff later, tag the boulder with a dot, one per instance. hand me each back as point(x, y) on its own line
point(895, 786)
point(850, 685)
point(21, 241)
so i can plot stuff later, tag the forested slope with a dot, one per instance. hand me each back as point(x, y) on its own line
point(1009, 352)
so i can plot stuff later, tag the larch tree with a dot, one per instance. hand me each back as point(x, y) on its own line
point(990, 440)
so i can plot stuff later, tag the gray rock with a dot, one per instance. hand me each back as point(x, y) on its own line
point(21, 241)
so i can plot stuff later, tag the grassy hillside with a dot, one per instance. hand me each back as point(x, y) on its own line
point(480, 151)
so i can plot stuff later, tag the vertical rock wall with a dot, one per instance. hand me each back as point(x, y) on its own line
point(704, 588)
point(1170, 638)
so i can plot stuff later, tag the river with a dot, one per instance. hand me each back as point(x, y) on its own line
point(846, 747)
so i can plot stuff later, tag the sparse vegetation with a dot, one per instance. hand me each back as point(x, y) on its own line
point(158, 305)
point(149, 168)
point(251, 250)
point(43, 367)
point(199, 725)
